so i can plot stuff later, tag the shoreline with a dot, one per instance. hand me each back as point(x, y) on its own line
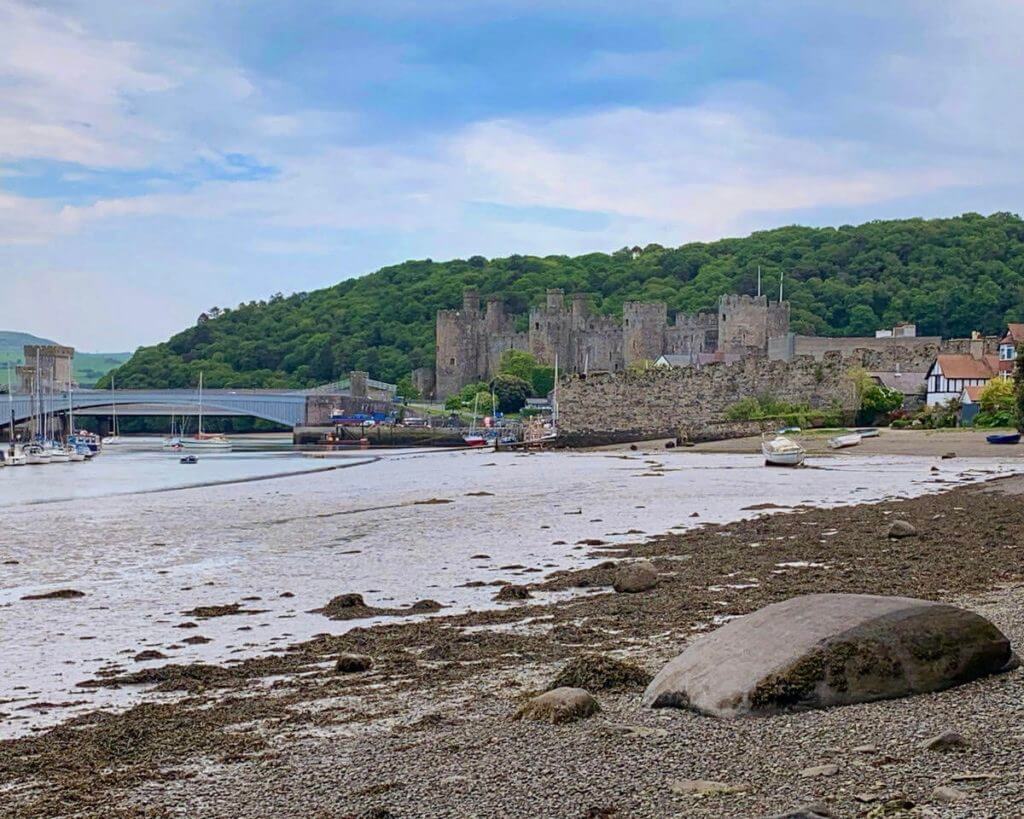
point(453, 681)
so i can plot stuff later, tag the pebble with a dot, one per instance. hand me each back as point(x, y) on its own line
point(946, 741)
point(944, 793)
point(820, 770)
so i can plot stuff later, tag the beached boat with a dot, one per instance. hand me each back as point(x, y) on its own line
point(781, 451)
point(870, 432)
point(189, 459)
point(843, 441)
point(1004, 438)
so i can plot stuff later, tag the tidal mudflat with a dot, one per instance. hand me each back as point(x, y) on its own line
point(264, 696)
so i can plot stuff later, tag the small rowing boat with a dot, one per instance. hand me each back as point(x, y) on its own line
point(843, 441)
point(1004, 438)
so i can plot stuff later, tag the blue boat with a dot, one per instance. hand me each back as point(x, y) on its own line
point(1006, 438)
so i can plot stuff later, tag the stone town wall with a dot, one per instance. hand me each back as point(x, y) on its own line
point(907, 354)
point(668, 402)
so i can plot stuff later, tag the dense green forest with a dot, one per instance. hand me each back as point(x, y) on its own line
point(950, 276)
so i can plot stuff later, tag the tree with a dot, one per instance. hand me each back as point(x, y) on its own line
point(997, 404)
point(543, 381)
point(518, 363)
point(406, 390)
point(878, 401)
point(949, 276)
point(510, 391)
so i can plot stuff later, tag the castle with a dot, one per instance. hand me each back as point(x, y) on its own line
point(471, 341)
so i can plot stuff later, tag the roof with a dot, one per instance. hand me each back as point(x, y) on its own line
point(676, 360)
point(973, 393)
point(967, 366)
point(906, 383)
point(1014, 332)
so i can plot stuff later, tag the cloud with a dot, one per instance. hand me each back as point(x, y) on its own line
point(199, 146)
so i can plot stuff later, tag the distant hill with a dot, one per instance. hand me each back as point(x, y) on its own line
point(88, 367)
point(949, 276)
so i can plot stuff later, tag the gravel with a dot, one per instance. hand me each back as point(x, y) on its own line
point(429, 730)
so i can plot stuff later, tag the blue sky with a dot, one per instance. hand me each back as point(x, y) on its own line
point(157, 159)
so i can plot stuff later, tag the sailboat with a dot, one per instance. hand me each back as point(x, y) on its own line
point(14, 456)
point(474, 438)
point(173, 441)
point(114, 439)
point(203, 440)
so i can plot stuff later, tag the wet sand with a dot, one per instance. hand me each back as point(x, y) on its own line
point(399, 530)
point(933, 443)
point(428, 730)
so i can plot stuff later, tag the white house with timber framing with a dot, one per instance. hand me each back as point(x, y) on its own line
point(951, 374)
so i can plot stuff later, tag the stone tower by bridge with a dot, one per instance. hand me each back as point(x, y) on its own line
point(471, 342)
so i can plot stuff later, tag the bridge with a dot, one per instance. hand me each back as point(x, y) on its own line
point(289, 408)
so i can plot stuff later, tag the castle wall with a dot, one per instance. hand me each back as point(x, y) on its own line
point(643, 330)
point(458, 361)
point(692, 334)
point(550, 330)
point(906, 353)
point(743, 322)
point(666, 402)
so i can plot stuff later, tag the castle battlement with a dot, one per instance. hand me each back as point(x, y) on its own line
point(471, 341)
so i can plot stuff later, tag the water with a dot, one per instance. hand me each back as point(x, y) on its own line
point(132, 470)
point(144, 559)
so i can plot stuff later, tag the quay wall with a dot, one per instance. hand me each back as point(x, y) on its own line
point(691, 402)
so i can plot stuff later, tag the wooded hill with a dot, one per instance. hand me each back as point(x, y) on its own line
point(949, 276)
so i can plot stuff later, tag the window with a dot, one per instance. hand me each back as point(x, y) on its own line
point(451, 361)
point(1007, 352)
point(536, 325)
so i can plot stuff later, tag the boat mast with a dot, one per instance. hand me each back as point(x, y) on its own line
point(39, 399)
point(554, 400)
point(10, 403)
point(113, 405)
point(199, 433)
point(71, 410)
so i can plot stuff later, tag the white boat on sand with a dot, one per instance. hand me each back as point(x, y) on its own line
point(843, 441)
point(781, 451)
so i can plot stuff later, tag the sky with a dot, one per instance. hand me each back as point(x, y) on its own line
point(157, 159)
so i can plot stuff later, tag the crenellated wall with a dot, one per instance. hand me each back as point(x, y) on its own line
point(668, 402)
point(471, 341)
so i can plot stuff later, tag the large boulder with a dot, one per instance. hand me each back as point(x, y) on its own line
point(559, 705)
point(631, 578)
point(822, 650)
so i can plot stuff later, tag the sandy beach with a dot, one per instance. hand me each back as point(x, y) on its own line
point(428, 730)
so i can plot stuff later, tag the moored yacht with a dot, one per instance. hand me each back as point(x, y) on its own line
point(203, 440)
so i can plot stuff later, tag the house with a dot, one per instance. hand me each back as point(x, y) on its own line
point(951, 373)
point(1008, 345)
point(970, 404)
point(899, 331)
point(912, 386)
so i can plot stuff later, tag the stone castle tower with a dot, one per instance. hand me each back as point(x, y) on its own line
point(745, 323)
point(471, 342)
